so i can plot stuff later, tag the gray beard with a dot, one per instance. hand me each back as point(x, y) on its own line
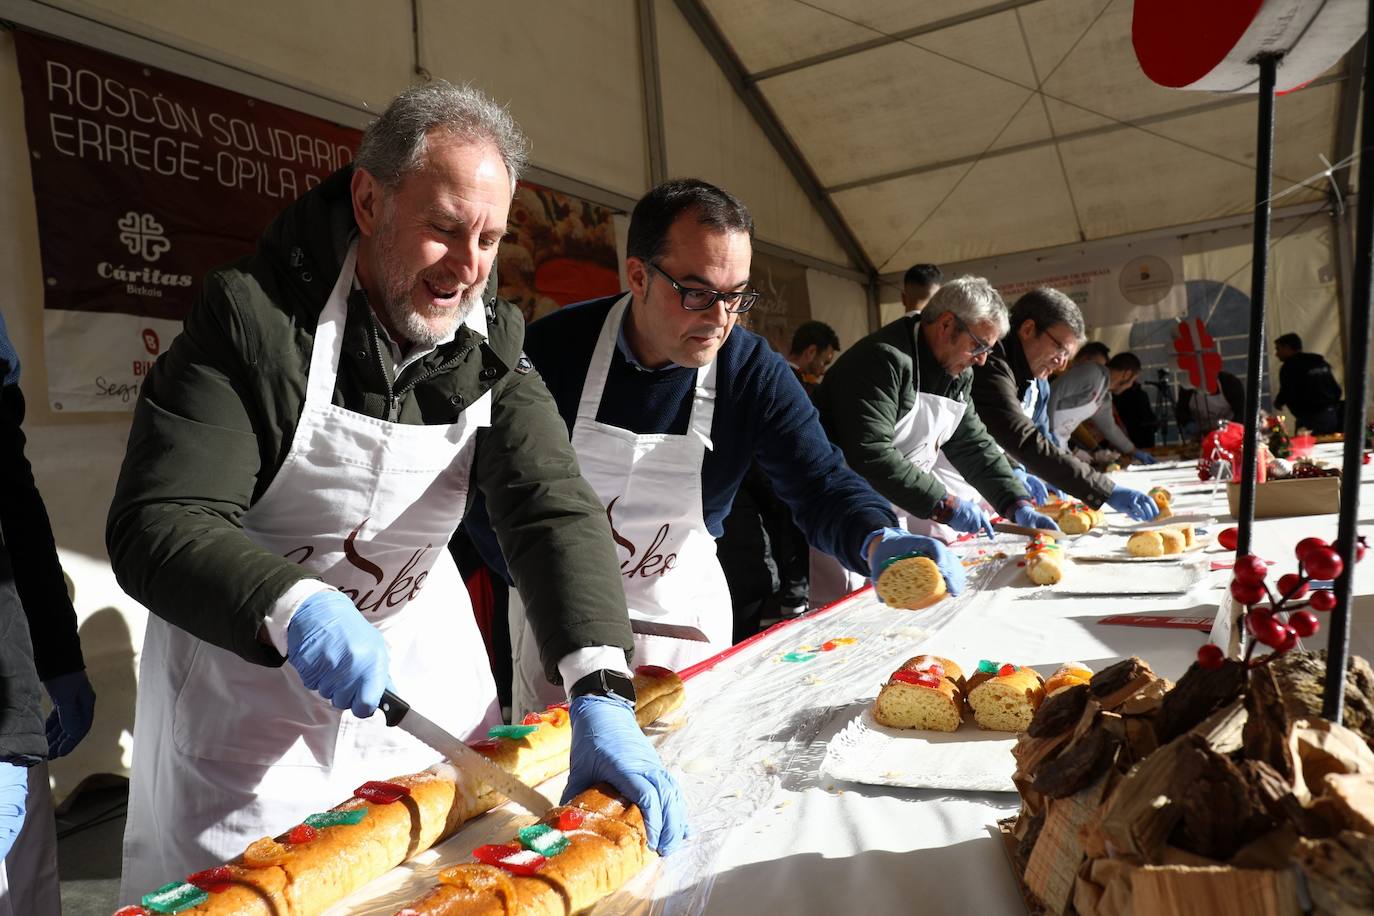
point(412, 326)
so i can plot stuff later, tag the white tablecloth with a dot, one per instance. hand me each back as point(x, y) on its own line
point(773, 834)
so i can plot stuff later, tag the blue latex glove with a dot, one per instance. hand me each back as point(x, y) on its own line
point(1027, 517)
point(969, 516)
point(1134, 503)
point(888, 544)
point(14, 789)
point(1144, 457)
point(1039, 493)
point(73, 703)
point(607, 746)
point(338, 653)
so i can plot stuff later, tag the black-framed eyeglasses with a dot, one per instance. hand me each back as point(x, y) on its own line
point(699, 300)
point(1062, 352)
point(980, 346)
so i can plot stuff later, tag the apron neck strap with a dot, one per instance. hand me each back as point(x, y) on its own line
point(329, 331)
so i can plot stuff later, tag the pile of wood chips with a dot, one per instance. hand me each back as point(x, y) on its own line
point(1224, 794)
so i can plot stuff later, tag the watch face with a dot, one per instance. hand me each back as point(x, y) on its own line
point(620, 685)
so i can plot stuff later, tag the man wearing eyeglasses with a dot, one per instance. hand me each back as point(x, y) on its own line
point(897, 404)
point(1046, 330)
point(667, 402)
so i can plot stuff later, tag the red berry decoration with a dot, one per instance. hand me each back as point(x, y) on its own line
point(1322, 600)
point(1288, 641)
point(1292, 586)
point(1229, 537)
point(301, 833)
point(1306, 544)
point(1250, 569)
point(1265, 628)
point(1304, 623)
point(1210, 656)
point(1246, 593)
point(1323, 563)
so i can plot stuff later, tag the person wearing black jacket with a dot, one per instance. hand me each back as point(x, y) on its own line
point(1046, 330)
point(1307, 387)
point(41, 646)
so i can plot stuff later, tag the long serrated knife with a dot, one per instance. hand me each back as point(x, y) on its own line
point(399, 713)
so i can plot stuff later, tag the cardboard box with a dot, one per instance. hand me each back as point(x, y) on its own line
point(1282, 498)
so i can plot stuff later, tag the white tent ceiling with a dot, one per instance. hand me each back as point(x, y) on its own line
point(949, 130)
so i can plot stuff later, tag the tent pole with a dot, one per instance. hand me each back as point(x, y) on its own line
point(1259, 277)
point(1356, 403)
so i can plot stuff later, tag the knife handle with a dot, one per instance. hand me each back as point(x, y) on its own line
point(393, 707)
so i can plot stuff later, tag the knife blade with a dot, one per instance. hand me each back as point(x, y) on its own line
point(398, 713)
point(671, 630)
point(1009, 528)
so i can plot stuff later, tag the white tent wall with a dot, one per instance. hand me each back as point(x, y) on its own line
point(839, 302)
point(711, 135)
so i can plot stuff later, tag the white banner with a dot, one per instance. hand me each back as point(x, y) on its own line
point(104, 357)
point(1119, 285)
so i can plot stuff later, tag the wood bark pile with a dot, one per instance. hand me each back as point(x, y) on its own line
point(1225, 793)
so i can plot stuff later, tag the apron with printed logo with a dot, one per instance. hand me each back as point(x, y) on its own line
point(226, 751)
point(650, 485)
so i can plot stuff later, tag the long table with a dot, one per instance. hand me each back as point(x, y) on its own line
point(771, 832)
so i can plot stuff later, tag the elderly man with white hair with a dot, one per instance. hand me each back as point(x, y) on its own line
point(898, 402)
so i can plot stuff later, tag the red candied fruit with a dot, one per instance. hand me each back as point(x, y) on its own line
point(134, 910)
point(571, 819)
point(654, 671)
point(493, 853)
point(829, 645)
point(485, 744)
point(301, 833)
point(381, 793)
point(926, 679)
point(532, 718)
point(1006, 671)
point(215, 880)
point(907, 677)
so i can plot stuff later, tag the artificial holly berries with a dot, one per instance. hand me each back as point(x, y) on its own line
point(1322, 600)
point(1323, 563)
point(1306, 544)
point(1250, 569)
point(1229, 537)
point(1304, 623)
point(1291, 585)
point(1246, 593)
point(1210, 656)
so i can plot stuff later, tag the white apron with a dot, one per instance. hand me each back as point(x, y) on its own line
point(651, 488)
point(1066, 420)
point(919, 435)
point(226, 751)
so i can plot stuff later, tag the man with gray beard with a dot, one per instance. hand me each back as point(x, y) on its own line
point(299, 459)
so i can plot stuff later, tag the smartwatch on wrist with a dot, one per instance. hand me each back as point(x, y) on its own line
point(604, 682)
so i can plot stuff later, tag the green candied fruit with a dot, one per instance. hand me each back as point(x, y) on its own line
point(514, 732)
point(543, 839)
point(336, 818)
point(799, 656)
point(175, 897)
point(905, 556)
point(987, 667)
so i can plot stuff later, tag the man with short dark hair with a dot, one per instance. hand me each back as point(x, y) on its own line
point(667, 402)
point(814, 345)
point(1084, 393)
point(1046, 331)
point(300, 457)
point(920, 282)
point(897, 405)
point(1308, 387)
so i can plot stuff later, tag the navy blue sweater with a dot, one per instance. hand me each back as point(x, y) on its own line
point(761, 411)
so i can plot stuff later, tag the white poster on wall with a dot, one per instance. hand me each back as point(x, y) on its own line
point(1118, 285)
